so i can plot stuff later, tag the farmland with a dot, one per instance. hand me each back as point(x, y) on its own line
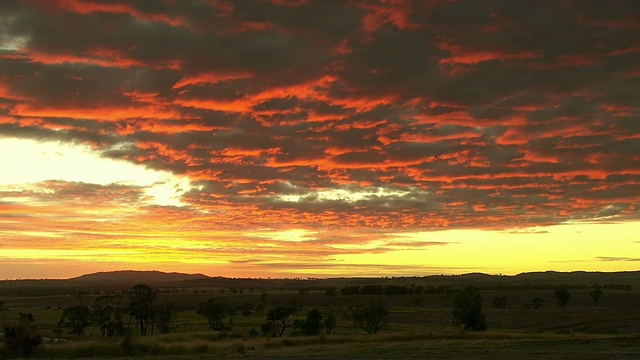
point(420, 322)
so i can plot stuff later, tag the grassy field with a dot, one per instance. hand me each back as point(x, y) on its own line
point(420, 326)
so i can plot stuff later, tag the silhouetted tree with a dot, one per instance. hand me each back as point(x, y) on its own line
point(372, 317)
point(165, 314)
point(330, 318)
point(563, 296)
point(215, 313)
point(22, 337)
point(467, 309)
point(312, 325)
point(141, 298)
point(1, 305)
point(596, 295)
point(278, 319)
point(108, 315)
point(76, 319)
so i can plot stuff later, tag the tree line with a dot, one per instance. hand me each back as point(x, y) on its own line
point(389, 290)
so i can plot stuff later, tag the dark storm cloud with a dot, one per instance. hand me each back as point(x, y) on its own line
point(459, 114)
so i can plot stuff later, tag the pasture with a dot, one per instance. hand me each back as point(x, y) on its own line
point(419, 326)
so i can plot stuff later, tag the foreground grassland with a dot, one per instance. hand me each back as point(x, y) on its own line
point(390, 345)
point(420, 326)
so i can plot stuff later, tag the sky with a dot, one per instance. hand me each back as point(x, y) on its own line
point(292, 138)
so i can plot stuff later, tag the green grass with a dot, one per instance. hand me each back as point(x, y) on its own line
point(414, 331)
point(392, 343)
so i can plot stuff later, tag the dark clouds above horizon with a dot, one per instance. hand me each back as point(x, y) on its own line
point(380, 114)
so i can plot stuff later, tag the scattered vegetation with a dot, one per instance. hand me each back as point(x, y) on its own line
point(215, 311)
point(76, 319)
point(372, 317)
point(190, 323)
point(22, 337)
point(141, 298)
point(596, 294)
point(467, 309)
point(563, 296)
point(108, 315)
point(278, 320)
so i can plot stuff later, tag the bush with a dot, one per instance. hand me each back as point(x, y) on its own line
point(21, 338)
point(563, 296)
point(76, 318)
point(467, 309)
point(313, 324)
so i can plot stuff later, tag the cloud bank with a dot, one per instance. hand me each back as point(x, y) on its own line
point(369, 117)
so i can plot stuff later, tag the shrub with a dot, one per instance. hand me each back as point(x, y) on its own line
point(76, 318)
point(313, 323)
point(563, 296)
point(215, 312)
point(467, 309)
point(22, 338)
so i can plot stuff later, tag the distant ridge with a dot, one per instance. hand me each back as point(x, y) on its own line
point(135, 276)
point(125, 279)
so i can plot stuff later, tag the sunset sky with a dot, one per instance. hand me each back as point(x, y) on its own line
point(319, 138)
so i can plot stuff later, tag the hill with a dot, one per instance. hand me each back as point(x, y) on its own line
point(124, 280)
point(126, 277)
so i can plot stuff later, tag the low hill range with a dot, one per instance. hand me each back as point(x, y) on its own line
point(133, 276)
point(125, 279)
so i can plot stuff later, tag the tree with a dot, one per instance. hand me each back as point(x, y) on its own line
point(313, 323)
point(22, 337)
point(330, 318)
point(467, 309)
point(278, 319)
point(141, 298)
point(372, 317)
point(101, 313)
point(76, 318)
point(596, 295)
point(563, 296)
point(1, 305)
point(215, 312)
point(165, 314)
point(107, 314)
